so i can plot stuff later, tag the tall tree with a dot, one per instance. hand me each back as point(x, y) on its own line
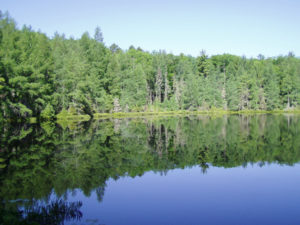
point(98, 36)
point(203, 64)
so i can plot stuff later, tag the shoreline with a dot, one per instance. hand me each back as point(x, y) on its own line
point(116, 115)
point(97, 116)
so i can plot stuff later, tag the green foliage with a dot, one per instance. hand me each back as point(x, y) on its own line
point(40, 77)
point(20, 110)
point(48, 113)
point(203, 65)
point(134, 92)
point(191, 94)
point(63, 113)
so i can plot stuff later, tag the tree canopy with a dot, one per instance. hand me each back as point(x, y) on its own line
point(86, 77)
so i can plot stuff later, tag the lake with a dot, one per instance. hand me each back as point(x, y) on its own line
point(231, 169)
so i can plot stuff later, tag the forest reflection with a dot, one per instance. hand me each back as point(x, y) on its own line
point(41, 160)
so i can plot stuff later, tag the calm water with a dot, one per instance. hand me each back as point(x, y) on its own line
point(174, 170)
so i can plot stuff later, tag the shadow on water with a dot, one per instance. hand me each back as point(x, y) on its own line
point(41, 159)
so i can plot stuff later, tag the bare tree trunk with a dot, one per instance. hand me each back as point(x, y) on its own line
point(224, 89)
point(158, 84)
point(166, 87)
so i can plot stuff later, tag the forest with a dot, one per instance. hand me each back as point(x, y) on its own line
point(42, 77)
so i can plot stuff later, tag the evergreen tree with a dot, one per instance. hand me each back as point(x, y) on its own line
point(41, 75)
point(98, 36)
point(203, 64)
point(134, 90)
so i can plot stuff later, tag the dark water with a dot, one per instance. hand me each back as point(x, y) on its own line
point(186, 170)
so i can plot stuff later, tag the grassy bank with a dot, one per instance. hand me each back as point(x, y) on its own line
point(60, 118)
point(185, 112)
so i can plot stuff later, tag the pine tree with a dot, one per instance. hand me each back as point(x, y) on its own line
point(203, 64)
point(98, 36)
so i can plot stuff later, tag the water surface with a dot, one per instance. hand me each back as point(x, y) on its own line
point(174, 170)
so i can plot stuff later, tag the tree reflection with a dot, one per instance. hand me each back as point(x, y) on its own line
point(36, 160)
point(54, 213)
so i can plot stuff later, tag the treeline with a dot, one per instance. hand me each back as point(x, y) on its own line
point(41, 77)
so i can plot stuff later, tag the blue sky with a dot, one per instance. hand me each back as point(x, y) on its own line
point(238, 27)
